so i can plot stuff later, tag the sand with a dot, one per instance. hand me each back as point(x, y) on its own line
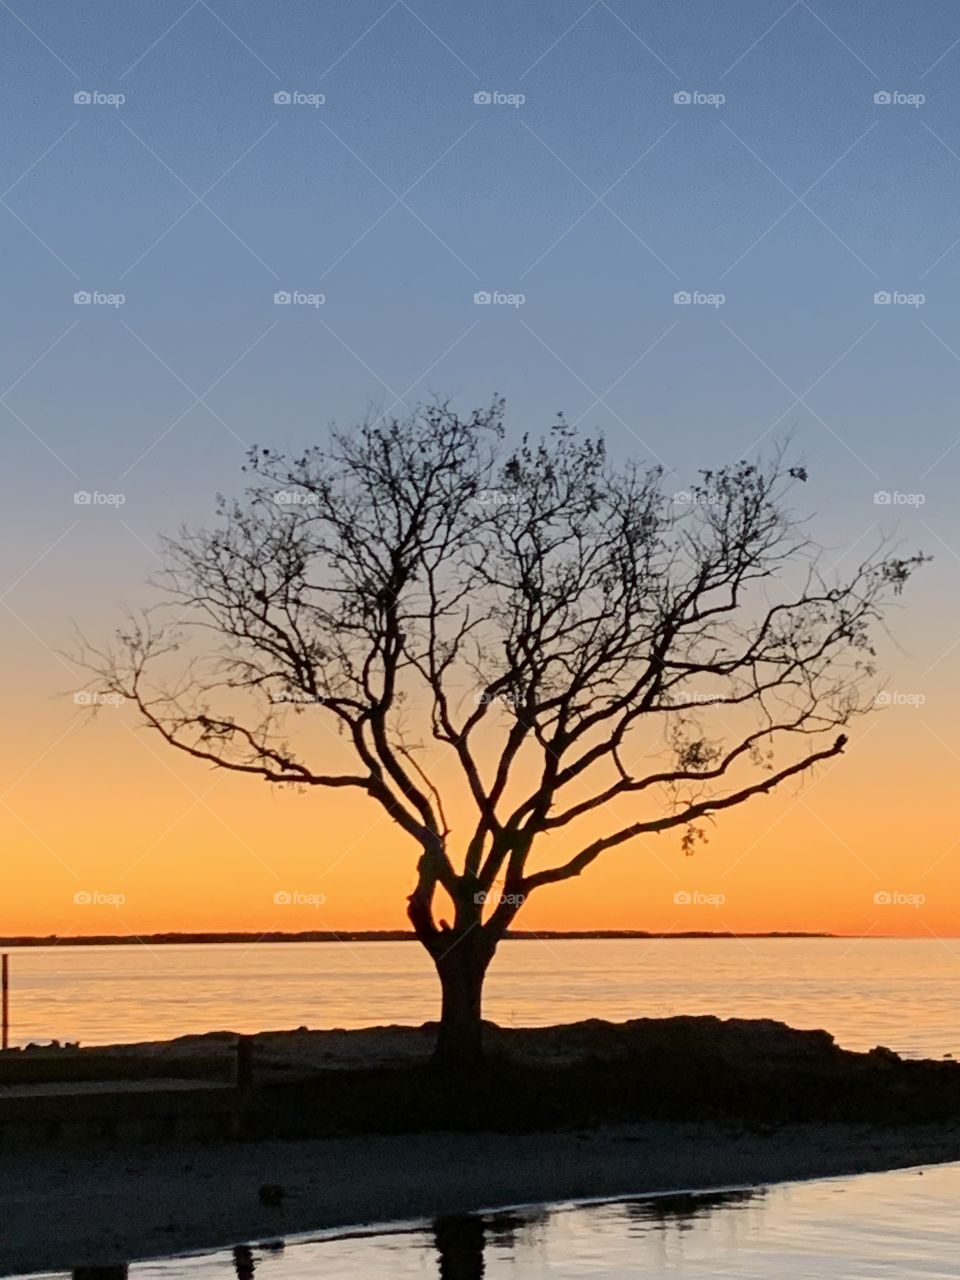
point(69, 1206)
point(61, 1209)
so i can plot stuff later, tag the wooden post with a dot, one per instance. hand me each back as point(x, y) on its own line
point(5, 1043)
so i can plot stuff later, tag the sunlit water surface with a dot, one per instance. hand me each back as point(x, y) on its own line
point(880, 1225)
point(901, 993)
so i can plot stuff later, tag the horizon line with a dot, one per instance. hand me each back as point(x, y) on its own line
point(232, 936)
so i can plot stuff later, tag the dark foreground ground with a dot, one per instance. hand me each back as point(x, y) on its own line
point(62, 1210)
point(758, 1073)
point(358, 1127)
point(380, 1079)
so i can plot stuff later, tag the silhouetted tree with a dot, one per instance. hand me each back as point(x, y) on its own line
point(595, 654)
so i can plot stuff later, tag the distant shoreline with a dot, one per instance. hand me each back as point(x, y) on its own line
point(373, 935)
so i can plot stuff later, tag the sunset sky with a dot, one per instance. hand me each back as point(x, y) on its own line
point(798, 198)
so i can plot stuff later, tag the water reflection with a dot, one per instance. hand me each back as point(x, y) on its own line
point(243, 1262)
point(684, 1208)
point(895, 1224)
point(462, 1241)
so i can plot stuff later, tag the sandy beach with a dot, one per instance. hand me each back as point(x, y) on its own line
point(61, 1209)
point(356, 1130)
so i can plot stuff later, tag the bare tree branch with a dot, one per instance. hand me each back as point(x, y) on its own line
point(504, 641)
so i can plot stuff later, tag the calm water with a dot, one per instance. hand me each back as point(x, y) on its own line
point(904, 994)
point(879, 1225)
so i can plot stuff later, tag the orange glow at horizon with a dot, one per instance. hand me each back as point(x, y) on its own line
point(814, 362)
point(106, 809)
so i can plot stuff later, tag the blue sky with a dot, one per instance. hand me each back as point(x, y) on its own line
point(690, 148)
point(797, 198)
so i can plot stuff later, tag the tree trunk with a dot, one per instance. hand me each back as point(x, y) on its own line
point(462, 968)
